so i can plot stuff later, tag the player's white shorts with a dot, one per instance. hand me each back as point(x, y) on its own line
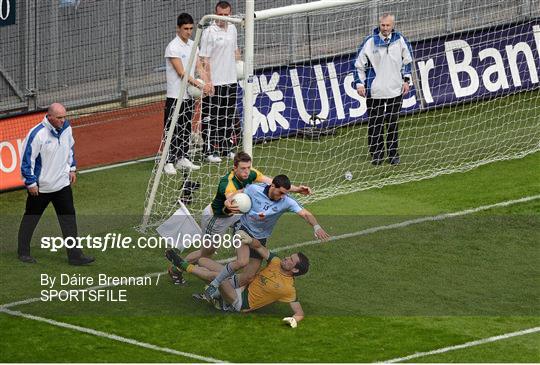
point(211, 224)
point(237, 304)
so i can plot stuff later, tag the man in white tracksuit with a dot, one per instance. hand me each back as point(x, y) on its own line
point(48, 170)
point(383, 75)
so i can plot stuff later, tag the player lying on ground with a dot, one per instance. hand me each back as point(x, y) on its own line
point(222, 213)
point(268, 203)
point(274, 283)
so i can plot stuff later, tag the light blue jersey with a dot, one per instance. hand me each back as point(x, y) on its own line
point(264, 212)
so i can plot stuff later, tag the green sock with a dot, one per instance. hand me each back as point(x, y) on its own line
point(185, 265)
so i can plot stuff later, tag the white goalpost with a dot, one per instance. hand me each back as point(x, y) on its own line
point(247, 139)
point(474, 98)
point(165, 146)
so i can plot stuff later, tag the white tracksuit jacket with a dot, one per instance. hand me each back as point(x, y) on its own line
point(382, 67)
point(47, 157)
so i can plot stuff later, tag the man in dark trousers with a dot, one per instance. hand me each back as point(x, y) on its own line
point(48, 169)
point(176, 61)
point(383, 75)
point(219, 52)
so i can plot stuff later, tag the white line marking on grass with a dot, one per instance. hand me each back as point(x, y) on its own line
point(20, 302)
point(3, 308)
point(347, 235)
point(110, 336)
point(411, 222)
point(107, 167)
point(465, 345)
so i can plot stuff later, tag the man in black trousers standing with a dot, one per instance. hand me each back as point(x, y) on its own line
point(48, 168)
point(383, 75)
point(219, 53)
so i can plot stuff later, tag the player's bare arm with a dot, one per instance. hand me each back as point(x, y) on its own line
point(201, 71)
point(261, 250)
point(205, 64)
point(179, 68)
point(301, 189)
point(319, 232)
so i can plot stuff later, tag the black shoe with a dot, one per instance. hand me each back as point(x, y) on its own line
point(81, 260)
point(376, 162)
point(199, 297)
point(27, 259)
point(174, 258)
point(176, 276)
point(393, 160)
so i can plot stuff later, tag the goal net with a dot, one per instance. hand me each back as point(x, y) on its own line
point(474, 99)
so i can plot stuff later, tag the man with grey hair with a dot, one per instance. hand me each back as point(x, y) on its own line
point(383, 77)
point(48, 169)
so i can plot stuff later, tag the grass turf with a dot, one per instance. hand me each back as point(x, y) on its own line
point(437, 142)
point(367, 298)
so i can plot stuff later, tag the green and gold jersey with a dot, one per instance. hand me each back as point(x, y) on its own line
point(229, 184)
point(270, 285)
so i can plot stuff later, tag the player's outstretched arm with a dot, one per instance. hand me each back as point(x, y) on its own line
point(297, 317)
point(317, 229)
point(265, 180)
point(301, 189)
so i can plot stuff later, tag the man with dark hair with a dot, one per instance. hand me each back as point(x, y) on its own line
point(281, 181)
point(176, 59)
point(49, 169)
point(274, 283)
point(268, 203)
point(302, 265)
point(222, 213)
point(219, 53)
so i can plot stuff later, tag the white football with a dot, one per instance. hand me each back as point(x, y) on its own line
point(194, 91)
point(243, 202)
point(240, 70)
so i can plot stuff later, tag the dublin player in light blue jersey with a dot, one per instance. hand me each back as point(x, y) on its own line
point(268, 203)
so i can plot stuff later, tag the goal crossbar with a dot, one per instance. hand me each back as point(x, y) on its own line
point(248, 21)
point(302, 8)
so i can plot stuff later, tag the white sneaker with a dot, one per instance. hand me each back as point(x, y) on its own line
point(169, 169)
point(186, 164)
point(213, 159)
point(231, 155)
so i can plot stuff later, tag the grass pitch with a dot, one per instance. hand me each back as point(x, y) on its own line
point(370, 297)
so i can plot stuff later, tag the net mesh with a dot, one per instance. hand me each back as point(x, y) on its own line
point(310, 124)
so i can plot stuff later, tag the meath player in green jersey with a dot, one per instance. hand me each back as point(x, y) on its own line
point(274, 283)
point(221, 213)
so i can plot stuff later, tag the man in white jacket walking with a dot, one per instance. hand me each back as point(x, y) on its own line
point(48, 169)
point(383, 76)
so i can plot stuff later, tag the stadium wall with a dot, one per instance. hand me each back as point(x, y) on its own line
point(88, 52)
point(72, 56)
point(455, 68)
point(100, 138)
